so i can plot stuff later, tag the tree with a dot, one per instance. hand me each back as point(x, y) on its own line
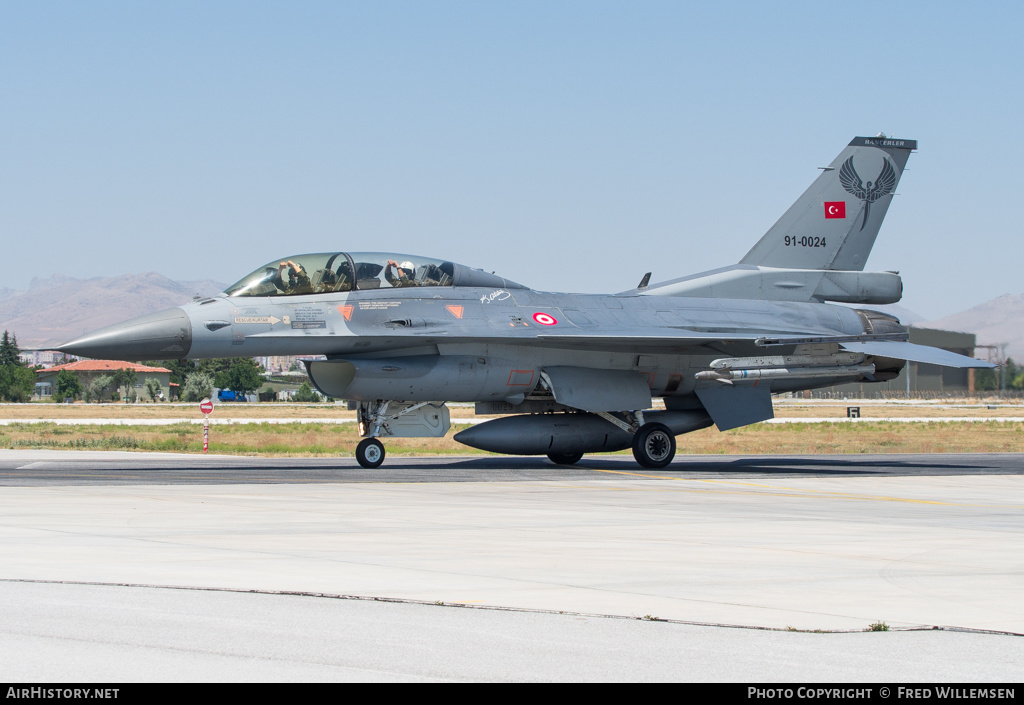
point(215, 366)
point(1014, 374)
point(67, 386)
point(180, 369)
point(17, 382)
point(243, 376)
point(239, 374)
point(305, 393)
point(96, 389)
point(9, 350)
point(125, 377)
point(153, 388)
point(198, 386)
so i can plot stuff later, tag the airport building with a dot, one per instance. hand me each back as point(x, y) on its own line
point(89, 370)
point(918, 379)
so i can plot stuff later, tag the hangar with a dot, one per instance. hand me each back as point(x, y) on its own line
point(920, 379)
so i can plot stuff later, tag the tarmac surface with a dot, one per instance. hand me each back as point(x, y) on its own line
point(86, 467)
point(124, 566)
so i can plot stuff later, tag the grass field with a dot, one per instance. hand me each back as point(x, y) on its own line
point(784, 408)
point(333, 439)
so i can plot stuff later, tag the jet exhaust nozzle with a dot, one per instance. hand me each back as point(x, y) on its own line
point(165, 335)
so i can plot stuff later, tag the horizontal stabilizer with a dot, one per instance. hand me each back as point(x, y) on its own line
point(901, 350)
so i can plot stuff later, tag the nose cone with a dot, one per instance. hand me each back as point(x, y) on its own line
point(165, 335)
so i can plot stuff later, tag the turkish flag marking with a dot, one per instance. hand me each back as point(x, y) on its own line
point(455, 310)
point(835, 209)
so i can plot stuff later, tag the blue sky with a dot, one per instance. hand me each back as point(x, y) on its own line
point(567, 145)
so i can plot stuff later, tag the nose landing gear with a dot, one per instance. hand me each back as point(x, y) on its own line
point(370, 453)
point(399, 419)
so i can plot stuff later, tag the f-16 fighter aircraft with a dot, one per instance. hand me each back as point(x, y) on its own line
point(573, 373)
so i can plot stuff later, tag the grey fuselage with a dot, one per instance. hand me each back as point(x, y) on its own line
point(496, 341)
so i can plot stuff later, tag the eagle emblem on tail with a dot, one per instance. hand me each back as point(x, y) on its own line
point(882, 186)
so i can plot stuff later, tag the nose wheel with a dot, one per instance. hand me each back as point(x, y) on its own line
point(370, 453)
point(654, 446)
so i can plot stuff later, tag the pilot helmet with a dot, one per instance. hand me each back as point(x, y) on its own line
point(409, 268)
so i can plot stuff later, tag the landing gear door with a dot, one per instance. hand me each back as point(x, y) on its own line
point(599, 390)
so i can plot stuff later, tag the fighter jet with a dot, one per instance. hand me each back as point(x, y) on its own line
point(402, 335)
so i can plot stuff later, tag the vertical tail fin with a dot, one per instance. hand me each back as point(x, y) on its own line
point(833, 225)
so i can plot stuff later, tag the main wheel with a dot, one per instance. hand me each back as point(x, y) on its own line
point(370, 453)
point(654, 446)
point(565, 458)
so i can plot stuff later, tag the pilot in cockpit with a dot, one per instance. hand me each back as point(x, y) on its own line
point(297, 281)
point(403, 274)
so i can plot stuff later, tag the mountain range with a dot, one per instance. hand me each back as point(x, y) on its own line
point(59, 308)
point(999, 321)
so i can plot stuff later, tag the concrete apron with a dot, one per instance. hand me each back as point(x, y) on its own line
point(808, 553)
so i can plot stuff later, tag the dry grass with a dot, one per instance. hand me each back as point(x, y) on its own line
point(298, 440)
point(865, 437)
point(280, 440)
point(115, 410)
point(890, 409)
point(784, 408)
point(331, 439)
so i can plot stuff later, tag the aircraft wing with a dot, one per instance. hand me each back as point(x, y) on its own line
point(625, 340)
point(655, 339)
point(638, 341)
point(868, 345)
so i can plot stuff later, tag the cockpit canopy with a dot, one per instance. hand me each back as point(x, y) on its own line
point(329, 272)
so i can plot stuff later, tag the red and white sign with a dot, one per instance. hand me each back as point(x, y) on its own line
point(206, 406)
point(545, 319)
point(835, 209)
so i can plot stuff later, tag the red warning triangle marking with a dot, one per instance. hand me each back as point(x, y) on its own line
point(455, 310)
point(346, 311)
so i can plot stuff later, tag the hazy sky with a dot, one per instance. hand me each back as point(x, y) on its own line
point(566, 145)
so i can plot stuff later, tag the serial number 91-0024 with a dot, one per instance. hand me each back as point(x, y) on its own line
point(806, 241)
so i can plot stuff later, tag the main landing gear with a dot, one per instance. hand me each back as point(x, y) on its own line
point(654, 446)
